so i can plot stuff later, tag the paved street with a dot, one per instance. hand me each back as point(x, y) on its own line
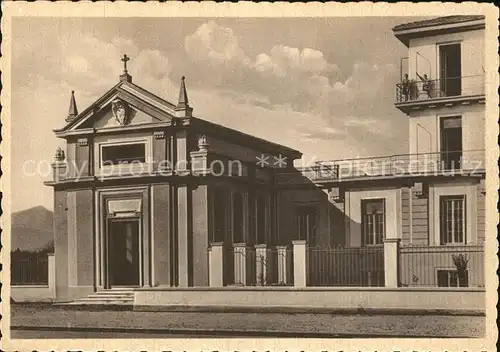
point(33, 334)
point(231, 324)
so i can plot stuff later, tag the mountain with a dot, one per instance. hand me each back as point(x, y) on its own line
point(32, 229)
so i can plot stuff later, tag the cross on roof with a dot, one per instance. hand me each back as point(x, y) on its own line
point(125, 58)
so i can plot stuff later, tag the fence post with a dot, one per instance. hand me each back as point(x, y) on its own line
point(299, 263)
point(51, 263)
point(282, 260)
point(391, 262)
point(261, 264)
point(216, 264)
point(240, 263)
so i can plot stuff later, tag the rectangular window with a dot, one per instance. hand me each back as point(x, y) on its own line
point(307, 224)
point(450, 63)
point(123, 154)
point(373, 221)
point(451, 142)
point(452, 219)
point(451, 278)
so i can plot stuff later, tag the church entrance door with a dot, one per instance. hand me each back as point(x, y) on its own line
point(123, 252)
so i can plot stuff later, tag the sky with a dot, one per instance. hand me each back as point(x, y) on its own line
point(324, 86)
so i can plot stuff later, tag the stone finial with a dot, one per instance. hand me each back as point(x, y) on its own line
point(183, 100)
point(203, 143)
point(73, 110)
point(183, 109)
point(60, 155)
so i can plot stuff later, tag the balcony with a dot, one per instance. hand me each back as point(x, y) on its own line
point(423, 93)
point(453, 163)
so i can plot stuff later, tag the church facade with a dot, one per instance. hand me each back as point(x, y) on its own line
point(143, 187)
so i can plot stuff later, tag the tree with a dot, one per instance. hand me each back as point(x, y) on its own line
point(461, 262)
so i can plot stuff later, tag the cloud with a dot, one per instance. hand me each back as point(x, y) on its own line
point(284, 60)
point(215, 43)
point(216, 59)
point(353, 101)
point(152, 63)
point(346, 98)
point(326, 134)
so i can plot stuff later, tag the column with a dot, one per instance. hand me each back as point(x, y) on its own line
point(283, 272)
point(240, 268)
point(82, 158)
point(52, 274)
point(61, 244)
point(183, 236)
point(160, 233)
point(200, 243)
point(261, 264)
point(59, 172)
point(391, 262)
point(299, 263)
point(216, 264)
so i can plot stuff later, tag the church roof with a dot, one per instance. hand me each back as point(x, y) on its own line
point(166, 111)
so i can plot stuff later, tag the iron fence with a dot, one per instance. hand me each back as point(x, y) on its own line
point(249, 266)
point(363, 266)
point(425, 89)
point(450, 163)
point(29, 269)
point(442, 266)
point(273, 266)
point(228, 265)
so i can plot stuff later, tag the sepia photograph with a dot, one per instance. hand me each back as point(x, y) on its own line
point(175, 176)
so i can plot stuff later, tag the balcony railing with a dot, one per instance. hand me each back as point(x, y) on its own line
point(423, 89)
point(441, 163)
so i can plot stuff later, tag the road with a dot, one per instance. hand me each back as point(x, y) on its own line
point(36, 334)
point(187, 324)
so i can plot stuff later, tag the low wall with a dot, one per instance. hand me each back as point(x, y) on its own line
point(37, 293)
point(419, 264)
point(419, 299)
point(32, 293)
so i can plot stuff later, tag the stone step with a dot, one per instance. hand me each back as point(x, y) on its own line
point(100, 302)
point(118, 296)
point(108, 298)
point(120, 289)
point(112, 294)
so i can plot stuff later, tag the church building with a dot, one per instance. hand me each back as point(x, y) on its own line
point(149, 197)
point(144, 187)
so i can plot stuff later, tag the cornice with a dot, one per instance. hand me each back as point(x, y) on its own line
point(114, 130)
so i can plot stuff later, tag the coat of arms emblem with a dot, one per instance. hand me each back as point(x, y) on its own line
point(120, 111)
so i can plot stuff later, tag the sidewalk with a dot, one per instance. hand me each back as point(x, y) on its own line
point(39, 317)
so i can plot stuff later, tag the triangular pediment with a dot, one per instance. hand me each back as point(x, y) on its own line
point(124, 105)
point(106, 118)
